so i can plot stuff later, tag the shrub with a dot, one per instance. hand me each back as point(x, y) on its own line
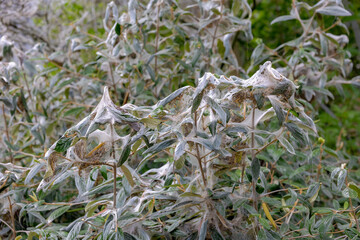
point(185, 151)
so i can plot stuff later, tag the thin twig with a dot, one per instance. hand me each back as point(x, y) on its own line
point(7, 133)
point(111, 75)
point(7, 225)
point(198, 153)
point(216, 27)
point(254, 193)
point(319, 166)
point(157, 36)
point(12, 217)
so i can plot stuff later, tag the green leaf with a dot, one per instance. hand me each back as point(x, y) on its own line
point(216, 11)
point(74, 111)
point(212, 127)
point(264, 223)
point(278, 109)
point(354, 187)
point(297, 133)
point(282, 18)
point(57, 213)
point(171, 97)
point(117, 29)
point(196, 102)
point(190, 194)
point(127, 174)
point(124, 155)
point(103, 171)
point(313, 192)
point(63, 144)
point(160, 146)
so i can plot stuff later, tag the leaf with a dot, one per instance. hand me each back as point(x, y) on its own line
point(151, 73)
point(128, 175)
point(255, 169)
point(324, 45)
point(34, 170)
point(333, 11)
point(313, 192)
point(203, 230)
point(63, 144)
point(297, 133)
point(257, 52)
point(160, 146)
point(199, 91)
point(150, 122)
point(57, 213)
point(268, 215)
point(216, 11)
point(278, 109)
point(190, 194)
point(215, 235)
point(117, 29)
point(196, 102)
point(341, 179)
point(124, 155)
point(171, 97)
point(74, 231)
point(74, 111)
point(282, 18)
point(349, 193)
point(265, 224)
point(214, 105)
point(179, 150)
point(196, 57)
point(103, 171)
point(354, 187)
point(212, 127)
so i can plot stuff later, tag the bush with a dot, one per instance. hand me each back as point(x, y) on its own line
point(185, 151)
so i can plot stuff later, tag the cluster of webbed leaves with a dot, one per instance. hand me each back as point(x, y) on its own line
point(199, 138)
point(155, 47)
point(317, 59)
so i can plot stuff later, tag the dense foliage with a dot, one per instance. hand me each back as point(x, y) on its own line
point(200, 120)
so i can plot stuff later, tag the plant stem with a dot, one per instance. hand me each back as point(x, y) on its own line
point(157, 36)
point(198, 157)
point(254, 193)
point(319, 166)
point(7, 133)
point(216, 28)
point(217, 25)
point(114, 187)
point(111, 75)
point(12, 217)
